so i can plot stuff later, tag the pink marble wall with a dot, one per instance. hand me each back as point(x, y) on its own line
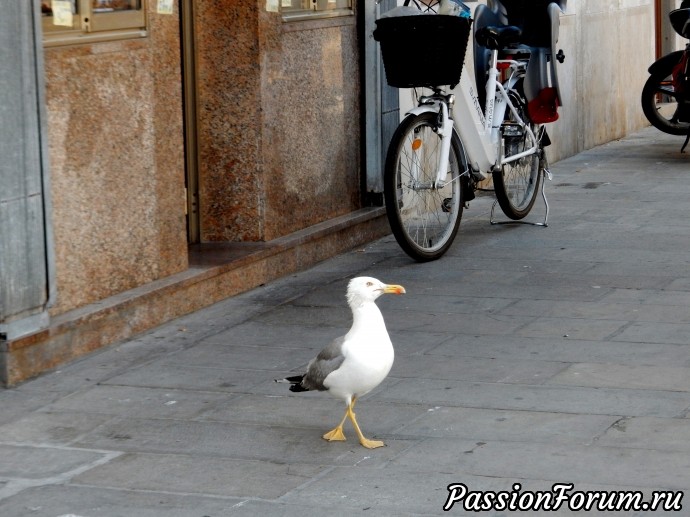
point(117, 163)
point(278, 121)
point(311, 131)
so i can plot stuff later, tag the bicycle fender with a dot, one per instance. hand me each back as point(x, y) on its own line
point(426, 108)
point(665, 63)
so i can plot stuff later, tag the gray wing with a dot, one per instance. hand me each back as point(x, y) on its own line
point(328, 360)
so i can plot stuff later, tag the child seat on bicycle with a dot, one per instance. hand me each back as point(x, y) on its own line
point(538, 23)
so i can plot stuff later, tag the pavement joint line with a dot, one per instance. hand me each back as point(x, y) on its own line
point(169, 492)
point(314, 479)
point(614, 425)
point(620, 331)
point(17, 485)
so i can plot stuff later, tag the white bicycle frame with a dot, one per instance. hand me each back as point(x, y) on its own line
point(480, 134)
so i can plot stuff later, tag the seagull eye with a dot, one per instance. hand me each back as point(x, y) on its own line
point(369, 284)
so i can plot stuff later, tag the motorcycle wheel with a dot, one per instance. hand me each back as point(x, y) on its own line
point(660, 103)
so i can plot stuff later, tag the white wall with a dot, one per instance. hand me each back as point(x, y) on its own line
point(609, 45)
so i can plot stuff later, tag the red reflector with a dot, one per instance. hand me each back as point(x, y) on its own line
point(503, 66)
point(544, 108)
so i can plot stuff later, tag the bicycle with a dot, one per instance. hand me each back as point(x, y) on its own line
point(435, 160)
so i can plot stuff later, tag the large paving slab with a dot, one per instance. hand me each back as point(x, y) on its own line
point(239, 441)
point(54, 501)
point(600, 465)
point(186, 474)
point(481, 424)
point(28, 462)
point(552, 398)
point(52, 427)
point(625, 376)
point(649, 433)
point(564, 349)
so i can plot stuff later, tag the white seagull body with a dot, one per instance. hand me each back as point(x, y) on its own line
point(354, 364)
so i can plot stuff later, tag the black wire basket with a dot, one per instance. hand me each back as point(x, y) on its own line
point(423, 50)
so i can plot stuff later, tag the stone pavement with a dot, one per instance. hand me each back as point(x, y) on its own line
point(526, 355)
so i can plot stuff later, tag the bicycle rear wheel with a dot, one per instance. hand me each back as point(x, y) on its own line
point(424, 218)
point(516, 184)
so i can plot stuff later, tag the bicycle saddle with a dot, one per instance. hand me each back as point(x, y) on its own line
point(497, 37)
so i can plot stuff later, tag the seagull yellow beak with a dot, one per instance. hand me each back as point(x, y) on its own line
point(394, 289)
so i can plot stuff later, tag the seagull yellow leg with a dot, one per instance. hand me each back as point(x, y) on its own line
point(366, 442)
point(336, 434)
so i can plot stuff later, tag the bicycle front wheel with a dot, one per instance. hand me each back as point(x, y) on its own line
point(423, 216)
point(516, 184)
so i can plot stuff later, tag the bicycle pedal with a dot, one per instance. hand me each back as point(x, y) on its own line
point(467, 189)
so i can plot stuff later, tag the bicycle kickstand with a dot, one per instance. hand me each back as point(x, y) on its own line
point(547, 175)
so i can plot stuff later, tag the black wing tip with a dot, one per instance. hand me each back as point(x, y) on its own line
point(297, 388)
point(295, 383)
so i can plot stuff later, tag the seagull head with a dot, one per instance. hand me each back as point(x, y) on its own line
point(366, 289)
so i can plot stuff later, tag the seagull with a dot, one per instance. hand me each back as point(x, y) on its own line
point(353, 364)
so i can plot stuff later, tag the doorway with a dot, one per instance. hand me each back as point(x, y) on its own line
point(189, 99)
point(382, 110)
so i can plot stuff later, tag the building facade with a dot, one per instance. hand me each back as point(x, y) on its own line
point(185, 151)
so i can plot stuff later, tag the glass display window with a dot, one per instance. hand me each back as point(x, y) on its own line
point(67, 22)
point(308, 9)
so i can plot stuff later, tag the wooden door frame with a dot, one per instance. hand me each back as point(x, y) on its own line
point(189, 89)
